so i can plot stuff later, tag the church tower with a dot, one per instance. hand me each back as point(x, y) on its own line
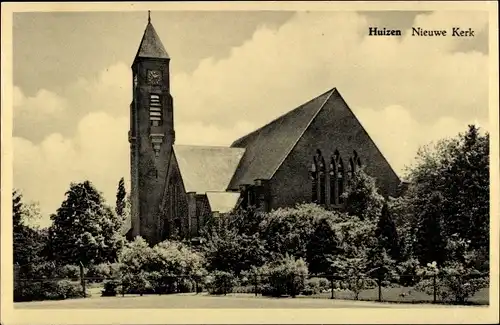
point(151, 134)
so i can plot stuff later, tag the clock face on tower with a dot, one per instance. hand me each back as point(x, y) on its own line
point(154, 77)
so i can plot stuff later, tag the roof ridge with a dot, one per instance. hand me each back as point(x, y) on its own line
point(332, 91)
point(280, 117)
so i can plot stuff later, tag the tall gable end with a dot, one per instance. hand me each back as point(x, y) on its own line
point(335, 130)
point(268, 146)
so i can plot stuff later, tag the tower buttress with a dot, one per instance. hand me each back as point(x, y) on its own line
point(151, 134)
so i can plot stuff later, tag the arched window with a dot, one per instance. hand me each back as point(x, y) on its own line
point(357, 161)
point(314, 179)
point(318, 177)
point(333, 182)
point(336, 178)
point(322, 180)
point(351, 170)
point(340, 179)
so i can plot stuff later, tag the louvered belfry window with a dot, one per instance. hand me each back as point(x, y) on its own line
point(155, 111)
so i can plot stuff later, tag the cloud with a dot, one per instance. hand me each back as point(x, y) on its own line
point(398, 134)
point(33, 115)
point(99, 152)
point(279, 69)
point(412, 89)
point(108, 92)
point(43, 103)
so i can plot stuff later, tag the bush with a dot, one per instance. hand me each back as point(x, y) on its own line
point(267, 290)
point(167, 267)
point(454, 283)
point(185, 286)
point(138, 283)
point(44, 270)
point(283, 277)
point(220, 282)
point(308, 292)
point(244, 289)
point(69, 271)
point(102, 271)
point(408, 270)
point(315, 285)
point(312, 287)
point(47, 290)
point(110, 288)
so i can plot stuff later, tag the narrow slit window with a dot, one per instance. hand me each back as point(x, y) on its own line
point(333, 181)
point(340, 179)
point(357, 161)
point(155, 110)
point(351, 171)
point(314, 178)
point(322, 181)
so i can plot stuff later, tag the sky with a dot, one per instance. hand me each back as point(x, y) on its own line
point(232, 72)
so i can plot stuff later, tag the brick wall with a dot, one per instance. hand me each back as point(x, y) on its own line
point(148, 171)
point(175, 213)
point(203, 211)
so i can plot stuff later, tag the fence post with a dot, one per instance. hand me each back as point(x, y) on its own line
point(434, 285)
point(331, 286)
point(379, 281)
point(82, 279)
point(255, 288)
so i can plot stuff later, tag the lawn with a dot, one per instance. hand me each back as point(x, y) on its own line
point(191, 300)
point(241, 300)
point(401, 295)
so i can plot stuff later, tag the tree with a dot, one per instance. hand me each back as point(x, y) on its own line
point(387, 234)
point(379, 264)
point(351, 272)
point(430, 244)
point(287, 230)
point(84, 228)
point(121, 199)
point(245, 221)
point(355, 236)
point(468, 188)
point(161, 268)
point(323, 244)
point(133, 262)
point(28, 241)
point(362, 198)
point(457, 168)
point(403, 217)
point(233, 252)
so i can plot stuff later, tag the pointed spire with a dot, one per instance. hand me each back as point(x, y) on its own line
point(151, 45)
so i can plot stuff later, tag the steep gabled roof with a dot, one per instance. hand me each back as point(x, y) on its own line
point(151, 45)
point(222, 202)
point(267, 147)
point(207, 168)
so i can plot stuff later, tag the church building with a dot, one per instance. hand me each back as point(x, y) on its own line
point(306, 155)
